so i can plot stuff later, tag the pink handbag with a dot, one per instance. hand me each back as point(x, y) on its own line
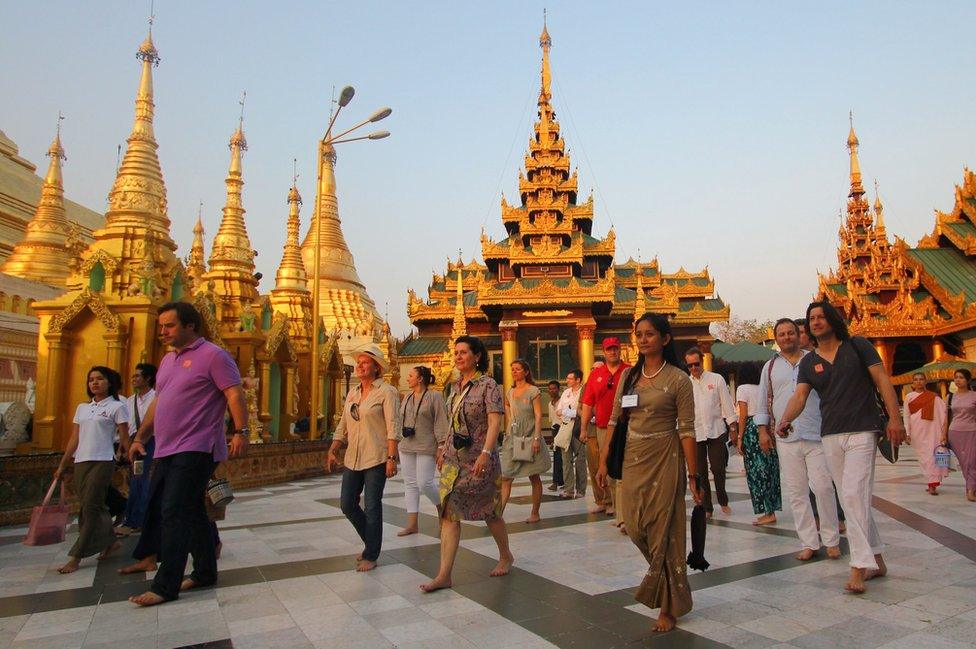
point(48, 523)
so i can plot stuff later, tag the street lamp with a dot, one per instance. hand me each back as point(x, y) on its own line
point(327, 156)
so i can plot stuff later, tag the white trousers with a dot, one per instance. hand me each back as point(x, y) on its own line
point(803, 468)
point(419, 476)
point(850, 458)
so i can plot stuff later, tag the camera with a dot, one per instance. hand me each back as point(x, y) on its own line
point(461, 442)
point(409, 431)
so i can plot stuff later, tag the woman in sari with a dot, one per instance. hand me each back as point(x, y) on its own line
point(961, 429)
point(471, 472)
point(658, 401)
point(924, 416)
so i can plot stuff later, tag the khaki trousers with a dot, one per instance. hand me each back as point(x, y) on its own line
point(594, 447)
point(95, 532)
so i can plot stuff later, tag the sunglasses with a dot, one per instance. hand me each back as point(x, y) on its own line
point(695, 364)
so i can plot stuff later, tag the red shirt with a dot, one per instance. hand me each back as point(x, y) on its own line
point(600, 390)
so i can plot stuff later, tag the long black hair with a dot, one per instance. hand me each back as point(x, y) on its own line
point(114, 381)
point(425, 374)
point(662, 326)
point(834, 319)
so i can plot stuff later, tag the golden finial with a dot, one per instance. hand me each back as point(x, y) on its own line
point(238, 138)
point(851, 137)
point(56, 150)
point(857, 189)
point(878, 207)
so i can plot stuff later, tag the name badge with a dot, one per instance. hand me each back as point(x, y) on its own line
point(818, 368)
point(628, 401)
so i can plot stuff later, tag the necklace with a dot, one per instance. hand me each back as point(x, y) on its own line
point(644, 374)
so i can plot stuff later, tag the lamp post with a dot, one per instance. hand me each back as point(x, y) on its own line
point(326, 153)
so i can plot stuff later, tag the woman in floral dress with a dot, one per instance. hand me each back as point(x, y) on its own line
point(471, 472)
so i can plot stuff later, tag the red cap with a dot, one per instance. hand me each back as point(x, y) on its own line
point(611, 342)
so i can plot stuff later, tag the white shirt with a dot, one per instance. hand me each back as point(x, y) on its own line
point(748, 394)
point(807, 425)
point(97, 424)
point(567, 405)
point(713, 403)
point(145, 400)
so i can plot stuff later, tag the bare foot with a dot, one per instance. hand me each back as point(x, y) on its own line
point(535, 518)
point(708, 516)
point(598, 510)
point(769, 519)
point(880, 572)
point(726, 509)
point(407, 531)
point(436, 583)
point(148, 598)
point(365, 566)
point(124, 531)
point(664, 623)
point(609, 511)
point(842, 527)
point(834, 552)
point(805, 554)
point(69, 567)
point(107, 552)
point(146, 565)
point(504, 566)
point(855, 583)
point(188, 584)
point(971, 496)
point(623, 529)
point(359, 557)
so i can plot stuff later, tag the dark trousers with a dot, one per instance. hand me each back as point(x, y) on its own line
point(179, 483)
point(714, 453)
point(557, 463)
point(368, 521)
point(135, 507)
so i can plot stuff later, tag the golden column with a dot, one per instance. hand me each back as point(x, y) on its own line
point(509, 331)
point(706, 348)
point(938, 350)
point(585, 330)
point(326, 172)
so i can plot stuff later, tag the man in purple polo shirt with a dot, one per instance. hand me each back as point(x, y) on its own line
point(197, 382)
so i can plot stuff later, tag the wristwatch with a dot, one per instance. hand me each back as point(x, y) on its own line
point(391, 458)
point(246, 432)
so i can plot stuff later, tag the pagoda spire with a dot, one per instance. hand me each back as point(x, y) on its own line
point(44, 254)
point(291, 271)
point(878, 208)
point(138, 197)
point(196, 265)
point(857, 189)
point(232, 257)
point(545, 42)
point(460, 327)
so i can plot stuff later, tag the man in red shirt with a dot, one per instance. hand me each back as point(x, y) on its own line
point(601, 386)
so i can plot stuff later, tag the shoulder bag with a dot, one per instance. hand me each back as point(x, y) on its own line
point(618, 441)
point(888, 450)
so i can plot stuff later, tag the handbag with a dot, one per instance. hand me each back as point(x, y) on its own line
point(888, 450)
point(522, 449)
point(48, 523)
point(219, 492)
point(618, 441)
point(564, 435)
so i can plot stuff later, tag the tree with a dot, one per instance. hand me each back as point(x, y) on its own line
point(736, 330)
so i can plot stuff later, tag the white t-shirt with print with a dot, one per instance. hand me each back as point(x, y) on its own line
point(97, 424)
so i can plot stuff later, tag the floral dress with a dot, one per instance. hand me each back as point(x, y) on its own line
point(464, 494)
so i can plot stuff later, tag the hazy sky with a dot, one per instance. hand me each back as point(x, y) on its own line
point(712, 135)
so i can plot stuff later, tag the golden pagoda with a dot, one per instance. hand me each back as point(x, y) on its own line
point(916, 305)
point(195, 263)
point(550, 288)
point(108, 315)
point(343, 301)
point(46, 252)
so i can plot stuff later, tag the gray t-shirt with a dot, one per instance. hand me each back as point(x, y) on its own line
point(847, 394)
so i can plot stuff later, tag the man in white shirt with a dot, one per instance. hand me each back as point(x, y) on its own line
point(713, 410)
point(802, 464)
point(143, 394)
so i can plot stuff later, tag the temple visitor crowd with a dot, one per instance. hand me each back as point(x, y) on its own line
point(641, 440)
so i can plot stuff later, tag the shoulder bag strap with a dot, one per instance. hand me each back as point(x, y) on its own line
point(769, 388)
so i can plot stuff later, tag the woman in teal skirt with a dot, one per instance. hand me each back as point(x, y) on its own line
point(762, 469)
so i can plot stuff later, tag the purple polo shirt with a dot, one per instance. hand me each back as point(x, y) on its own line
point(190, 402)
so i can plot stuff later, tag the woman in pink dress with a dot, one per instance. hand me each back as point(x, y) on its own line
point(924, 415)
point(961, 431)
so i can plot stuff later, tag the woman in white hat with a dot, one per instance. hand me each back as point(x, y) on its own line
point(368, 429)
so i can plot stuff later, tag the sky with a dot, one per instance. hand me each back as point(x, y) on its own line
point(712, 135)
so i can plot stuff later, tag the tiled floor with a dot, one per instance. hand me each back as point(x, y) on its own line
point(287, 581)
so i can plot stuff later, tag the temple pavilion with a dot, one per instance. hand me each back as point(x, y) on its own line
point(550, 291)
point(916, 304)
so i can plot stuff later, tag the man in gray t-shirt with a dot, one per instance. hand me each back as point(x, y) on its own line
point(845, 372)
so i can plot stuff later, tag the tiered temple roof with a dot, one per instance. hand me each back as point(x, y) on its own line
point(889, 289)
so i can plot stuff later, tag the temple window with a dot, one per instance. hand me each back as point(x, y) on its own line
point(96, 278)
point(266, 316)
point(549, 358)
point(176, 290)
